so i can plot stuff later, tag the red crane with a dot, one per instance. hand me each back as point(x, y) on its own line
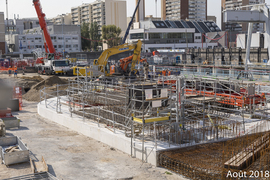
point(43, 25)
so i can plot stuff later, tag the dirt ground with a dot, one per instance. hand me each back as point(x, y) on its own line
point(70, 155)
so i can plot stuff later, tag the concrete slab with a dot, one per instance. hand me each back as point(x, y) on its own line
point(89, 128)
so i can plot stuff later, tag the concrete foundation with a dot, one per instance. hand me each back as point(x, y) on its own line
point(90, 128)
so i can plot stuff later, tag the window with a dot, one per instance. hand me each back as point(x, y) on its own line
point(136, 36)
point(60, 63)
point(155, 35)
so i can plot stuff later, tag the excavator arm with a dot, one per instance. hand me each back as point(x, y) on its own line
point(126, 61)
point(136, 56)
point(102, 61)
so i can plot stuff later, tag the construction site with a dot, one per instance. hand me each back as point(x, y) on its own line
point(203, 116)
point(200, 127)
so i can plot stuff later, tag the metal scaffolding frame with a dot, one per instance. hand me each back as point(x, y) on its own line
point(173, 110)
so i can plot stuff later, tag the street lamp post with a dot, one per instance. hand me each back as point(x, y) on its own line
point(63, 48)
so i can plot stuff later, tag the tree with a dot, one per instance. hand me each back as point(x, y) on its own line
point(110, 34)
point(94, 35)
point(85, 34)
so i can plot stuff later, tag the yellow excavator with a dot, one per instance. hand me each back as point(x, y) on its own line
point(100, 65)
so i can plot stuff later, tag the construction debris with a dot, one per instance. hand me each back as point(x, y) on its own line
point(38, 166)
point(12, 148)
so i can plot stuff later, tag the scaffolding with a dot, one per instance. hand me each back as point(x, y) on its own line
point(175, 111)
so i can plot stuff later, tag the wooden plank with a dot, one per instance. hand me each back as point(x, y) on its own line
point(10, 149)
point(39, 166)
point(154, 99)
point(45, 165)
point(32, 166)
point(13, 149)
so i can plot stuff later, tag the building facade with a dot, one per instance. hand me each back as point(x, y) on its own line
point(116, 14)
point(243, 27)
point(174, 34)
point(2, 34)
point(62, 19)
point(17, 26)
point(65, 39)
point(212, 18)
point(184, 9)
point(140, 14)
point(103, 12)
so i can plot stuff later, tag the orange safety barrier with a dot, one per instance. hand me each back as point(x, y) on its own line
point(7, 69)
point(232, 99)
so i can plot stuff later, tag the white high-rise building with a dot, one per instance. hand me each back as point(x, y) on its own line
point(184, 9)
point(104, 12)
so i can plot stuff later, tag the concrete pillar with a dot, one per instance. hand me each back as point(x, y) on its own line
point(199, 69)
point(214, 70)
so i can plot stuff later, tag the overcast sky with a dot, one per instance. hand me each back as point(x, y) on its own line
point(52, 8)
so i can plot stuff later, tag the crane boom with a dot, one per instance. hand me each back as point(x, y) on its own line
point(130, 23)
point(43, 26)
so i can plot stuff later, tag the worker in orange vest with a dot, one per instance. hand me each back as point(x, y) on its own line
point(169, 72)
point(163, 72)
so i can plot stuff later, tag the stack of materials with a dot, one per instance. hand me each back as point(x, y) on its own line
point(13, 150)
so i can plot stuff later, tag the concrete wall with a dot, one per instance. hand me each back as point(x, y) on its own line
point(116, 140)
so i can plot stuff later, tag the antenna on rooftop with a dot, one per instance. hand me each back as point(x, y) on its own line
point(156, 8)
point(7, 14)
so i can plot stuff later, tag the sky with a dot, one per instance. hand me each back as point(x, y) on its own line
point(52, 8)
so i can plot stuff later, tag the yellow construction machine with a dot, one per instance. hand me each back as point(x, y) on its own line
point(218, 126)
point(101, 64)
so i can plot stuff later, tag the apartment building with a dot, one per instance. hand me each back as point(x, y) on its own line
point(65, 39)
point(232, 4)
point(140, 14)
point(62, 19)
point(17, 26)
point(2, 34)
point(184, 9)
point(103, 12)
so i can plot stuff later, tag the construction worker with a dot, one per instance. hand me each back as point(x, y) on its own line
point(169, 72)
point(9, 71)
point(163, 72)
point(23, 69)
point(145, 69)
point(15, 72)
